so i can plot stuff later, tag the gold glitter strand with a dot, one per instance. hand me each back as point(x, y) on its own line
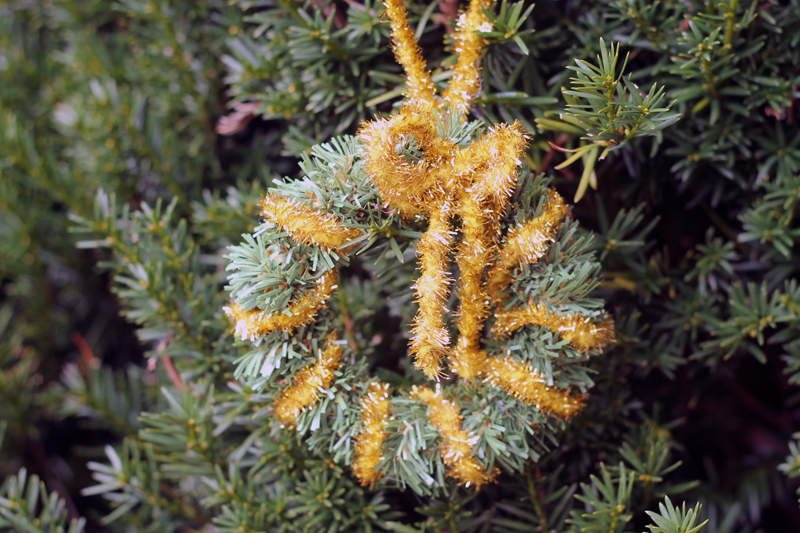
point(584, 335)
point(528, 386)
point(526, 243)
point(496, 158)
point(399, 180)
point(307, 383)
point(253, 323)
point(419, 86)
point(575, 328)
point(457, 445)
point(375, 411)
point(472, 258)
point(306, 225)
point(430, 338)
point(422, 175)
point(466, 81)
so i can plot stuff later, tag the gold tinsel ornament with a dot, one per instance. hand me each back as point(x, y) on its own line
point(474, 241)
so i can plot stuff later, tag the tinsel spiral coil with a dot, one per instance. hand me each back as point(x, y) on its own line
point(505, 363)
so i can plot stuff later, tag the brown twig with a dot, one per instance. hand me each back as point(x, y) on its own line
point(173, 373)
point(168, 364)
point(88, 358)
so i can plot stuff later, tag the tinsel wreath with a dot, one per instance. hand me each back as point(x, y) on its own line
point(486, 234)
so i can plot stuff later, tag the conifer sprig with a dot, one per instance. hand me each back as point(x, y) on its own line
point(608, 110)
point(26, 505)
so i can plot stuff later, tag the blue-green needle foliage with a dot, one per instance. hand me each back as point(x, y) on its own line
point(671, 519)
point(26, 505)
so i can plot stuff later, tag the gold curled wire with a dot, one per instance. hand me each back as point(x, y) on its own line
point(453, 188)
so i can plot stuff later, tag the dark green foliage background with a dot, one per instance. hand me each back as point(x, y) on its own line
point(118, 198)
